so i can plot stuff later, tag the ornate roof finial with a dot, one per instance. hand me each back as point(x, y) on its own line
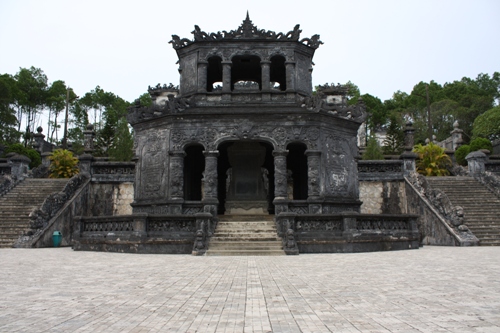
point(247, 27)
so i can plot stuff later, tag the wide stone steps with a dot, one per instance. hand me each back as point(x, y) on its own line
point(245, 235)
point(481, 207)
point(16, 205)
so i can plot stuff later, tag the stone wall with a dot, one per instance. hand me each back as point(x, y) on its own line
point(110, 199)
point(383, 197)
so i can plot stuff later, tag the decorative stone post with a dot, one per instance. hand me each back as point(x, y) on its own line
point(313, 167)
point(86, 158)
point(210, 183)
point(475, 161)
point(226, 80)
point(20, 166)
point(280, 182)
point(39, 138)
point(202, 76)
point(176, 166)
point(408, 156)
point(456, 136)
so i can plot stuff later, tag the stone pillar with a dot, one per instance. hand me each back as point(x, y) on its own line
point(475, 161)
point(313, 179)
point(140, 223)
point(408, 156)
point(176, 167)
point(266, 75)
point(290, 76)
point(456, 136)
point(280, 182)
point(39, 139)
point(202, 76)
point(210, 183)
point(86, 158)
point(20, 166)
point(226, 77)
point(88, 137)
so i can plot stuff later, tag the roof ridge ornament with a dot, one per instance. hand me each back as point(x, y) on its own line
point(247, 30)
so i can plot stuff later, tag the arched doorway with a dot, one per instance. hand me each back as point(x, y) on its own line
point(231, 189)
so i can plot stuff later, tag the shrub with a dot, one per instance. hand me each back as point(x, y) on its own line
point(461, 153)
point(31, 153)
point(433, 161)
point(63, 165)
point(480, 143)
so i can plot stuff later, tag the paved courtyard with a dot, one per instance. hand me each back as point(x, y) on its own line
point(433, 289)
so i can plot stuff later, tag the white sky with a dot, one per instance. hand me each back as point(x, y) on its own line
point(380, 45)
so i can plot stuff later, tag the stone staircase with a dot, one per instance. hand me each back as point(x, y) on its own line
point(245, 235)
point(481, 207)
point(18, 203)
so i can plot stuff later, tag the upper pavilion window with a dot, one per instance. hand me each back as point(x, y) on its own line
point(214, 73)
point(246, 68)
point(278, 72)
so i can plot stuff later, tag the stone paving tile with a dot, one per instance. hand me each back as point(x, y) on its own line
point(433, 289)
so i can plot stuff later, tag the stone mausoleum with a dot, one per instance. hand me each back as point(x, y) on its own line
point(243, 135)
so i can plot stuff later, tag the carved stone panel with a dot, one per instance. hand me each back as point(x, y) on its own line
point(153, 160)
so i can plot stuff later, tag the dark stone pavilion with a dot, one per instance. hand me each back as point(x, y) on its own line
point(243, 135)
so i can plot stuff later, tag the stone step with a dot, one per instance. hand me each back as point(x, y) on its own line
point(481, 207)
point(245, 253)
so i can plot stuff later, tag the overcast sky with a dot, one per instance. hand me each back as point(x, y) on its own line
point(380, 45)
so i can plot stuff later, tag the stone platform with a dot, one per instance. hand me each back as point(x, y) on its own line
point(435, 289)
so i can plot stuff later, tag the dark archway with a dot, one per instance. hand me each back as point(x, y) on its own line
point(278, 71)
point(246, 68)
point(296, 162)
point(194, 165)
point(223, 165)
point(214, 72)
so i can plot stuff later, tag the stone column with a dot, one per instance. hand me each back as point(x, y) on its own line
point(86, 158)
point(202, 76)
point(313, 179)
point(290, 76)
point(176, 166)
point(266, 75)
point(39, 140)
point(210, 183)
point(456, 136)
point(280, 182)
point(475, 161)
point(408, 156)
point(226, 76)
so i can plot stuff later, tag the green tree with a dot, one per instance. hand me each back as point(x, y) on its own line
point(394, 140)
point(487, 125)
point(8, 120)
point(31, 153)
point(31, 97)
point(373, 150)
point(461, 153)
point(121, 149)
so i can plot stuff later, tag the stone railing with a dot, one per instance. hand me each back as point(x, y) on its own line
point(113, 171)
point(149, 233)
point(43, 217)
point(492, 166)
point(441, 223)
point(380, 170)
point(7, 182)
point(346, 232)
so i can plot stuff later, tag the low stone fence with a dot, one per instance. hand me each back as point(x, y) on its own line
point(380, 170)
point(113, 171)
point(347, 232)
point(145, 233)
point(492, 166)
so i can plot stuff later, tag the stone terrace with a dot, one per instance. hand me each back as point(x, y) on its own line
point(434, 289)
